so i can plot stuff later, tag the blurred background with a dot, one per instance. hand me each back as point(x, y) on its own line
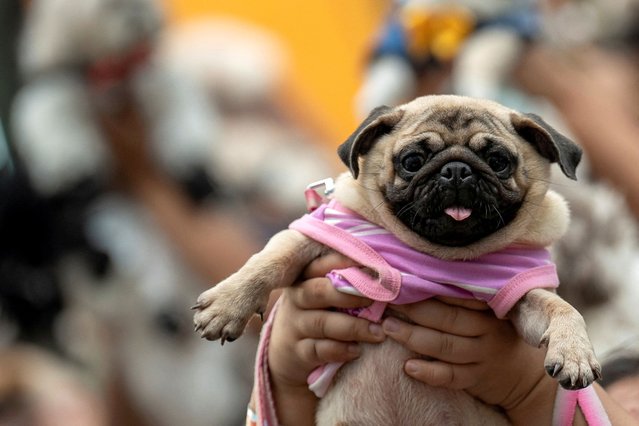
point(148, 148)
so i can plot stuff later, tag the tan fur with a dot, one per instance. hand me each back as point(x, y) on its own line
point(374, 389)
point(383, 395)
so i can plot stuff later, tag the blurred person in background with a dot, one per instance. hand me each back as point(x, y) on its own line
point(63, 290)
point(124, 256)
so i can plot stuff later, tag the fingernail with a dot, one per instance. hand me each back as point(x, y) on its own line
point(376, 330)
point(391, 325)
point(411, 367)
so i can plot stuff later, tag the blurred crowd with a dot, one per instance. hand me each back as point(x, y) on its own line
point(140, 162)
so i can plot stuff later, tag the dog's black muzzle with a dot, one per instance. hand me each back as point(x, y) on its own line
point(454, 204)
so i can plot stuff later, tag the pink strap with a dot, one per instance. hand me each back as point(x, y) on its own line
point(313, 199)
point(321, 378)
point(263, 396)
point(385, 289)
point(566, 405)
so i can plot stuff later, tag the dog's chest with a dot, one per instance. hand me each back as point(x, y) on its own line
point(375, 390)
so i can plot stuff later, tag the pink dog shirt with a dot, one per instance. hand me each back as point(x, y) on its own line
point(405, 275)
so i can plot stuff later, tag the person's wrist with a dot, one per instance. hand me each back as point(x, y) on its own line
point(294, 404)
point(531, 397)
point(534, 407)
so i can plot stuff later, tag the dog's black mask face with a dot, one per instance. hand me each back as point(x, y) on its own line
point(454, 199)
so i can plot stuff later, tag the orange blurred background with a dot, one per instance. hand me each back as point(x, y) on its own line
point(327, 42)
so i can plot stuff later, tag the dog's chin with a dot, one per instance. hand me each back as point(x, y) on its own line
point(442, 229)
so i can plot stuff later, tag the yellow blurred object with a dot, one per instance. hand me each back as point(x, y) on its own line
point(327, 42)
point(437, 31)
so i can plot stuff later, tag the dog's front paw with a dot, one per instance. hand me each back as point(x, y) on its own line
point(223, 311)
point(570, 358)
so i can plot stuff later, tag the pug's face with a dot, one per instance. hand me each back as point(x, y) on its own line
point(455, 170)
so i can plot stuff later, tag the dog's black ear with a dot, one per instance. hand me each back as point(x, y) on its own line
point(549, 142)
point(379, 122)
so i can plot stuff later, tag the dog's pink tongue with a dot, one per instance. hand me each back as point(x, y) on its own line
point(458, 213)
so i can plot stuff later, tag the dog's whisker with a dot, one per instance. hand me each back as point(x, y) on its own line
point(368, 189)
point(552, 182)
point(378, 205)
point(406, 208)
point(501, 218)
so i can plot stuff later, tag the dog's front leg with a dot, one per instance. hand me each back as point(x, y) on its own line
point(544, 318)
point(224, 310)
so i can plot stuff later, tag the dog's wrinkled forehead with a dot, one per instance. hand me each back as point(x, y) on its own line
point(450, 119)
point(442, 103)
point(455, 116)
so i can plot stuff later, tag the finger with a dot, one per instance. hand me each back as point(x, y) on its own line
point(441, 374)
point(318, 352)
point(326, 263)
point(338, 326)
point(474, 304)
point(433, 343)
point(448, 318)
point(319, 293)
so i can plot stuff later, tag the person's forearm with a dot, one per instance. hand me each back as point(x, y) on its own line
point(536, 408)
point(211, 242)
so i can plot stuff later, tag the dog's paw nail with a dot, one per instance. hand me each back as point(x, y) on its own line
point(568, 383)
point(196, 306)
point(261, 314)
point(598, 375)
point(543, 342)
point(226, 338)
point(553, 370)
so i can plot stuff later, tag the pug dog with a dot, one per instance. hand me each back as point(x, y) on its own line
point(462, 185)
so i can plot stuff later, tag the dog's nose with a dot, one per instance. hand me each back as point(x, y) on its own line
point(456, 172)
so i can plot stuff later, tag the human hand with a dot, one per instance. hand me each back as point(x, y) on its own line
point(127, 136)
point(306, 335)
point(473, 351)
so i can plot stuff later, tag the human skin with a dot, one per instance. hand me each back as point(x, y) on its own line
point(198, 233)
point(474, 351)
point(596, 93)
point(626, 392)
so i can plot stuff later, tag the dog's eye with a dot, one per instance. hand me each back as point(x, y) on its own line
point(413, 162)
point(499, 163)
